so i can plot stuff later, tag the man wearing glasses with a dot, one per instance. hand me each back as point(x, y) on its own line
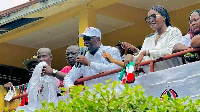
point(93, 62)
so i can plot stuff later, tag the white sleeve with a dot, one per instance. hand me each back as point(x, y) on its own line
point(102, 67)
point(185, 40)
point(72, 76)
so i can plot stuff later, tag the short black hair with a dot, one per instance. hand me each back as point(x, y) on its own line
point(162, 11)
point(119, 45)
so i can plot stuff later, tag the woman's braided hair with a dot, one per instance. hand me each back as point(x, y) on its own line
point(162, 11)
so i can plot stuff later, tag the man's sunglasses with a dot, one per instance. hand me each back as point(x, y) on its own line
point(148, 18)
point(87, 38)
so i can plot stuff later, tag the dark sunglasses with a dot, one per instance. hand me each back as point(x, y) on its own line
point(148, 18)
point(87, 38)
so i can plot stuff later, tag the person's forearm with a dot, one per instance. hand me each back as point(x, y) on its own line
point(179, 47)
point(119, 63)
point(60, 75)
point(195, 43)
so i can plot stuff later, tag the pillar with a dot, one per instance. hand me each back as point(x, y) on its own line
point(87, 18)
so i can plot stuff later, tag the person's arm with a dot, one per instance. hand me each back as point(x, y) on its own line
point(71, 77)
point(179, 47)
point(47, 70)
point(195, 43)
point(60, 75)
point(112, 60)
point(119, 63)
point(102, 67)
point(173, 38)
point(183, 44)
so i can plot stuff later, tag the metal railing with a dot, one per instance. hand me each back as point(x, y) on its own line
point(151, 62)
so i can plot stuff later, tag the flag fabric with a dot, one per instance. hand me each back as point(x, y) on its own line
point(180, 81)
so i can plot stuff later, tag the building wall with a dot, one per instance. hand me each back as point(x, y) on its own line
point(59, 59)
point(14, 55)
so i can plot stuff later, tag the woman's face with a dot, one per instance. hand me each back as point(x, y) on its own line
point(195, 22)
point(155, 20)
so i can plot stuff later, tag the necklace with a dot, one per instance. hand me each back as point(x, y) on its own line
point(159, 37)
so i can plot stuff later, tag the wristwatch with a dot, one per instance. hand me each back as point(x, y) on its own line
point(54, 72)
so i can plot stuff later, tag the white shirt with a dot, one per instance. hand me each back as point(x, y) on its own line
point(163, 47)
point(186, 40)
point(98, 65)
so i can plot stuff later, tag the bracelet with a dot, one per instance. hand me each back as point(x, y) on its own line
point(147, 53)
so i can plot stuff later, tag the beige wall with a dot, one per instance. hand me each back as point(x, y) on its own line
point(59, 60)
point(14, 55)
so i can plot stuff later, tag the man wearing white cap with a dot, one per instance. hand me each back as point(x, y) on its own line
point(93, 62)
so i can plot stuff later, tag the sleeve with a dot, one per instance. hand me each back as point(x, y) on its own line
point(102, 67)
point(72, 76)
point(173, 38)
point(63, 70)
point(185, 40)
point(142, 49)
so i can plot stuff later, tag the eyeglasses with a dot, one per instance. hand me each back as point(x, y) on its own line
point(148, 18)
point(194, 20)
point(87, 38)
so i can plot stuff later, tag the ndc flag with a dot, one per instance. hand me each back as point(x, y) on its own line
point(180, 81)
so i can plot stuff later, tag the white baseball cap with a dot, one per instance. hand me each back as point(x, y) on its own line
point(91, 32)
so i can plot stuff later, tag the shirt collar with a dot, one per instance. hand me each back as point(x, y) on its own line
point(168, 29)
point(100, 51)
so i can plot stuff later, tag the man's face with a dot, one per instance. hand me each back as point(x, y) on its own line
point(44, 55)
point(93, 43)
point(71, 54)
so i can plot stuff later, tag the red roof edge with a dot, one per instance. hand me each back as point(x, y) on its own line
point(18, 8)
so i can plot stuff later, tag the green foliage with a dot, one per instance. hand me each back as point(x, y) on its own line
point(104, 98)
